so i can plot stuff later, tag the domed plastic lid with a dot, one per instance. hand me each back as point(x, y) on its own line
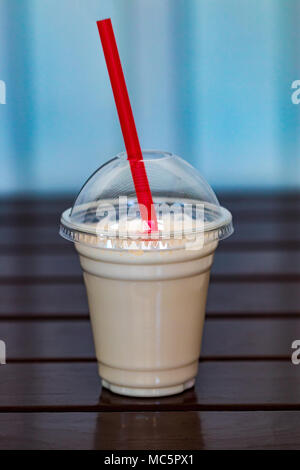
point(106, 211)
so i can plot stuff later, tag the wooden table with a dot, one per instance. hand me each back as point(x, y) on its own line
point(247, 393)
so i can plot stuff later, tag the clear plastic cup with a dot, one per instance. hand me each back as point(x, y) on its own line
point(147, 291)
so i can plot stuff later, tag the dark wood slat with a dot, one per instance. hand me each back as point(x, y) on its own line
point(267, 298)
point(265, 231)
point(269, 263)
point(37, 300)
point(264, 208)
point(31, 235)
point(244, 207)
point(48, 340)
point(151, 430)
point(246, 201)
point(249, 213)
point(220, 385)
point(249, 339)
point(46, 220)
point(65, 266)
point(224, 299)
point(32, 206)
point(259, 207)
point(222, 339)
point(36, 267)
point(244, 232)
point(29, 220)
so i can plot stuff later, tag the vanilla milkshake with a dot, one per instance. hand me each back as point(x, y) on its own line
point(146, 298)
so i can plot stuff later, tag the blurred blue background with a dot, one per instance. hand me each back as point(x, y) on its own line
point(209, 80)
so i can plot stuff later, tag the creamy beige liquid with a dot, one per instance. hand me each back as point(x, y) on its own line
point(147, 312)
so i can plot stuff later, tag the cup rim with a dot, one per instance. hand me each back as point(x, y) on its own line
point(79, 233)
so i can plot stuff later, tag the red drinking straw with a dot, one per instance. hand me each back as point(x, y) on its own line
point(132, 144)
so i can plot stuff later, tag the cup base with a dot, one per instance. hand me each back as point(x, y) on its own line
point(148, 392)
